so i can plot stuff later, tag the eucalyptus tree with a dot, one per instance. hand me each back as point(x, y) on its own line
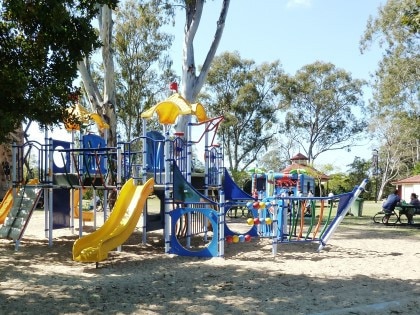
point(357, 172)
point(283, 147)
point(103, 102)
point(130, 57)
point(396, 84)
point(411, 18)
point(395, 106)
point(324, 105)
point(192, 78)
point(272, 160)
point(244, 94)
point(394, 160)
point(143, 65)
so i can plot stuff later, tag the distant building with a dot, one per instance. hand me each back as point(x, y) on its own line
point(407, 186)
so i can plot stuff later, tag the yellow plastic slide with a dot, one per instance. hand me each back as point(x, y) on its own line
point(120, 225)
point(6, 205)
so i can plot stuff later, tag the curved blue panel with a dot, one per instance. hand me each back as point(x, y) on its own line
point(184, 191)
point(232, 190)
point(211, 250)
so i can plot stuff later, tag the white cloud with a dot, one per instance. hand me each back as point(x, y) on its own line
point(299, 3)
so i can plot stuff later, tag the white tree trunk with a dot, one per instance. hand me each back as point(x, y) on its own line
point(91, 88)
point(109, 103)
point(191, 82)
point(104, 105)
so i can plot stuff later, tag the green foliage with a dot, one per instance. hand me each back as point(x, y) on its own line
point(359, 170)
point(141, 54)
point(411, 18)
point(41, 43)
point(241, 178)
point(88, 194)
point(409, 140)
point(416, 169)
point(272, 161)
point(398, 146)
point(243, 93)
point(396, 82)
point(395, 110)
point(323, 102)
point(339, 183)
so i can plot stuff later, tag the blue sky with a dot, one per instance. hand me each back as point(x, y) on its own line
point(296, 32)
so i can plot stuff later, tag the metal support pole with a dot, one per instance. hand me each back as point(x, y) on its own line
point(168, 189)
point(375, 155)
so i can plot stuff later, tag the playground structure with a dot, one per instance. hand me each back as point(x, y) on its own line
point(51, 172)
point(194, 207)
point(195, 218)
point(273, 184)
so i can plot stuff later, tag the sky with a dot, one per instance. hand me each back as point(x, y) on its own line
point(297, 33)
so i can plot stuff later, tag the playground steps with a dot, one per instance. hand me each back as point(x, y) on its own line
point(23, 205)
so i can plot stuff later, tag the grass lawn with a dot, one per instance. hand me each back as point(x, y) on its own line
point(364, 222)
point(370, 208)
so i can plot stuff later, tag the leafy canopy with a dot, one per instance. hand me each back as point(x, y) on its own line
point(40, 45)
point(244, 94)
point(143, 65)
point(396, 83)
point(324, 108)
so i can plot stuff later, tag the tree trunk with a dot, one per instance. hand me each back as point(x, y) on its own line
point(104, 105)
point(6, 161)
point(107, 110)
point(91, 88)
point(192, 83)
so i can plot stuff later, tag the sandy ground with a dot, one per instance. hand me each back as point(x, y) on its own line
point(369, 269)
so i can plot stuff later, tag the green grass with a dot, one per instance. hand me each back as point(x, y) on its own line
point(370, 208)
point(365, 224)
point(368, 211)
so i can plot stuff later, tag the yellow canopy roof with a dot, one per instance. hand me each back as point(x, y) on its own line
point(175, 105)
point(84, 116)
point(99, 121)
point(199, 111)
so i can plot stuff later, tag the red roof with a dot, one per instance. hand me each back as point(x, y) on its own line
point(299, 156)
point(410, 180)
point(310, 170)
